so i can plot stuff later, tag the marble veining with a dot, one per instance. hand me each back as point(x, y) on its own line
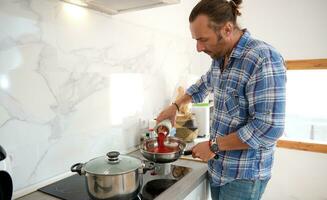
point(75, 84)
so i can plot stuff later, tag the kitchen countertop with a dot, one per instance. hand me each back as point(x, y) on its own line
point(177, 191)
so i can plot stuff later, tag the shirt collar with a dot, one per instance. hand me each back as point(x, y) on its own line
point(240, 47)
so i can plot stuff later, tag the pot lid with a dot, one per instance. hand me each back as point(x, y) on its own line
point(112, 164)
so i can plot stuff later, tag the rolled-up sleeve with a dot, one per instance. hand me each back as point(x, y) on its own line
point(200, 90)
point(266, 96)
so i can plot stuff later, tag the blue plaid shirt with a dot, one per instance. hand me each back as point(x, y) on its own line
point(249, 99)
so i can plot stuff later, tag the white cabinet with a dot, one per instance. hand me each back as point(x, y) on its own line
point(201, 192)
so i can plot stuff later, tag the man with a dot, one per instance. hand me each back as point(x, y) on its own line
point(247, 78)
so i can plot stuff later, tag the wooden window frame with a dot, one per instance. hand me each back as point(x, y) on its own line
point(306, 64)
point(302, 145)
point(311, 64)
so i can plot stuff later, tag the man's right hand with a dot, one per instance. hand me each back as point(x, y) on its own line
point(171, 111)
point(168, 113)
point(202, 151)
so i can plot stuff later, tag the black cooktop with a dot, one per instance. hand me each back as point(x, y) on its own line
point(70, 188)
point(74, 187)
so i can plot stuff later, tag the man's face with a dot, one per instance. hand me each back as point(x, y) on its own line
point(208, 40)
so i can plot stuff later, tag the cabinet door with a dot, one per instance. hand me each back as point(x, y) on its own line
point(201, 192)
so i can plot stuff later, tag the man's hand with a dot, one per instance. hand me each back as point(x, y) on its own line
point(171, 111)
point(202, 151)
point(168, 113)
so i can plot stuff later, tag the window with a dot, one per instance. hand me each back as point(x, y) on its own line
point(306, 105)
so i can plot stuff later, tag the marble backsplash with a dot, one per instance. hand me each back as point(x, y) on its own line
point(75, 84)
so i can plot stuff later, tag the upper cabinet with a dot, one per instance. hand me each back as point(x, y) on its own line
point(118, 6)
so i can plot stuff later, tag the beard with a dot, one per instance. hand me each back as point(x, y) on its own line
point(216, 56)
point(219, 53)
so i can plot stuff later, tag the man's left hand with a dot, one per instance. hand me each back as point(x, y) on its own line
point(202, 151)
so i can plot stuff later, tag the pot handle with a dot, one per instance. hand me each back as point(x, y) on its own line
point(77, 168)
point(149, 167)
point(187, 152)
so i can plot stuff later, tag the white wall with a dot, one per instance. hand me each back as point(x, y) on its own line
point(298, 175)
point(297, 28)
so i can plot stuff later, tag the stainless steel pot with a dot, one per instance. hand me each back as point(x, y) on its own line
point(172, 142)
point(113, 176)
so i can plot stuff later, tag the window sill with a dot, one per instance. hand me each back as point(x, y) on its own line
point(306, 64)
point(303, 146)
